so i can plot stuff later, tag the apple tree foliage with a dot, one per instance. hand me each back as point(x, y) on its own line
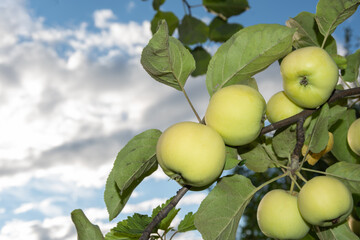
point(271, 161)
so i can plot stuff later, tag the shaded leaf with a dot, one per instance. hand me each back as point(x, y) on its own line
point(170, 18)
point(157, 3)
point(130, 228)
point(255, 156)
point(231, 160)
point(246, 53)
point(329, 14)
point(340, 232)
point(351, 73)
point(319, 135)
point(219, 213)
point(350, 171)
point(341, 149)
point(165, 223)
point(307, 33)
point(187, 224)
point(220, 30)
point(226, 8)
point(284, 142)
point(202, 59)
point(192, 30)
point(85, 229)
point(133, 163)
point(166, 60)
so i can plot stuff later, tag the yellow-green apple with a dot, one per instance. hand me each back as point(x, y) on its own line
point(191, 153)
point(313, 158)
point(236, 112)
point(278, 216)
point(353, 136)
point(280, 107)
point(309, 76)
point(325, 201)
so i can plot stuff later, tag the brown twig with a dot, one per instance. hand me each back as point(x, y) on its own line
point(338, 94)
point(163, 213)
point(300, 139)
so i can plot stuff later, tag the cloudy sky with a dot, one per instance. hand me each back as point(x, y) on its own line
point(73, 92)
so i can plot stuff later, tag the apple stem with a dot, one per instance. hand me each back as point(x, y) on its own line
point(293, 180)
point(301, 177)
point(191, 105)
point(329, 174)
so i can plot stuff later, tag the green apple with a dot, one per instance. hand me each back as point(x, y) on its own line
point(280, 107)
point(325, 201)
point(353, 136)
point(236, 112)
point(191, 153)
point(309, 76)
point(278, 216)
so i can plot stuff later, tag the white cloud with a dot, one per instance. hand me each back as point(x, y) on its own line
point(46, 207)
point(50, 228)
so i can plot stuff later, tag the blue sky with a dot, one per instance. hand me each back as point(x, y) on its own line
point(73, 92)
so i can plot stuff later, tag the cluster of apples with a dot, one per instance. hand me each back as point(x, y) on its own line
point(194, 153)
point(323, 201)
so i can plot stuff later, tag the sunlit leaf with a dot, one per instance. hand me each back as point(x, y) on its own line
point(85, 229)
point(330, 13)
point(166, 60)
point(246, 53)
point(307, 33)
point(133, 163)
point(187, 224)
point(219, 213)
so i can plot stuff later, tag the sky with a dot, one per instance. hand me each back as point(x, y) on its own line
point(73, 93)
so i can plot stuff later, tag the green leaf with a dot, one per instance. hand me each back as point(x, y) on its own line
point(284, 142)
point(231, 160)
point(130, 228)
point(133, 163)
point(307, 33)
point(187, 224)
point(220, 30)
point(165, 223)
point(351, 73)
point(329, 14)
point(341, 149)
point(246, 53)
point(336, 112)
point(202, 59)
point(226, 8)
point(157, 3)
point(192, 30)
point(167, 60)
point(219, 213)
point(255, 156)
point(340, 61)
point(170, 18)
point(320, 134)
point(85, 229)
point(350, 171)
point(340, 232)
